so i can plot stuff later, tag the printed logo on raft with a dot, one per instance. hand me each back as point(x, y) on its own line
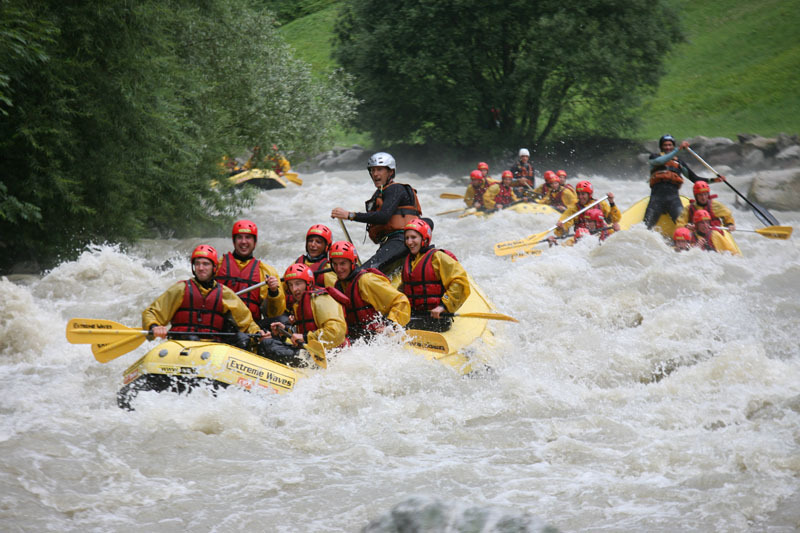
point(241, 367)
point(428, 346)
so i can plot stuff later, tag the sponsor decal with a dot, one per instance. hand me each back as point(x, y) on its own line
point(130, 376)
point(261, 374)
point(428, 346)
point(80, 325)
point(245, 383)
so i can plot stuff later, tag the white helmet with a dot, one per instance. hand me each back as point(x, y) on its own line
point(524, 151)
point(381, 159)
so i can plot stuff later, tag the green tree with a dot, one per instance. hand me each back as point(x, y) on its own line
point(114, 122)
point(473, 72)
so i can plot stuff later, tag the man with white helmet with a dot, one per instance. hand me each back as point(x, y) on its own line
point(389, 209)
point(523, 173)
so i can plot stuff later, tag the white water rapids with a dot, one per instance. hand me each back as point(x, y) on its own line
point(642, 390)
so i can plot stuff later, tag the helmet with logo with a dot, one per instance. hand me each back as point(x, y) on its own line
point(561, 173)
point(701, 186)
point(245, 227)
point(666, 137)
point(322, 231)
point(205, 251)
point(483, 166)
point(476, 175)
point(343, 250)
point(584, 186)
point(421, 227)
point(700, 215)
point(550, 176)
point(299, 271)
point(507, 174)
point(682, 234)
point(524, 151)
point(594, 215)
point(381, 159)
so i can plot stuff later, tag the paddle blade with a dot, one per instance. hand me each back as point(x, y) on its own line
point(317, 351)
point(108, 352)
point(468, 212)
point(451, 196)
point(519, 245)
point(97, 331)
point(459, 210)
point(488, 316)
point(776, 232)
point(428, 340)
point(294, 178)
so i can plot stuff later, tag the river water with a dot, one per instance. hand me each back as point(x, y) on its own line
point(642, 390)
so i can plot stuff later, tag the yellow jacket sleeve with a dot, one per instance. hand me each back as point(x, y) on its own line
point(469, 196)
point(682, 219)
point(489, 196)
point(329, 279)
point(329, 317)
point(454, 278)
point(539, 192)
point(611, 213)
point(569, 197)
point(568, 212)
point(271, 306)
point(161, 311)
point(722, 212)
point(238, 310)
point(378, 292)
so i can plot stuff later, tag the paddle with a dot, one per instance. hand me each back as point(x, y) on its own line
point(262, 283)
point(428, 340)
point(759, 211)
point(451, 196)
point(485, 316)
point(512, 247)
point(771, 232)
point(293, 177)
point(459, 210)
point(347, 235)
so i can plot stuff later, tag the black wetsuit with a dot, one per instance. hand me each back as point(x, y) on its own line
point(392, 247)
point(664, 196)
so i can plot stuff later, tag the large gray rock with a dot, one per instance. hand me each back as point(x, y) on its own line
point(777, 189)
point(432, 515)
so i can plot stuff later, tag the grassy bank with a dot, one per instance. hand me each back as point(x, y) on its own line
point(737, 72)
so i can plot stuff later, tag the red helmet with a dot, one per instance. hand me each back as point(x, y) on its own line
point(299, 271)
point(582, 232)
point(246, 227)
point(701, 186)
point(483, 166)
point(320, 230)
point(700, 215)
point(343, 250)
point(584, 186)
point(421, 227)
point(682, 234)
point(507, 174)
point(561, 173)
point(550, 176)
point(206, 252)
point(475, 175)
point(594, 215)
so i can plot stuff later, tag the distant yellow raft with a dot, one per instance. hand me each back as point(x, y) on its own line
point(635, 214)
point(524, 208)
point(259, 177)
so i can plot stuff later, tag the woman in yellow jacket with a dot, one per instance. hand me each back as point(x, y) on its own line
point(500, 195)
point(432, 279)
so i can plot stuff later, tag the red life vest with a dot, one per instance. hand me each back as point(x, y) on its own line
point(237, 279)
point(322, 264)
point(555, 199)
point(402, 216)
point(198, 312)
point(303, 313)
point(504, 196)
point(693, 208)
point(423, 289)
point(480, 191)
point(361, 317)
point(522, 170)
point(669, 172)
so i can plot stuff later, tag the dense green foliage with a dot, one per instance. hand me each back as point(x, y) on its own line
point(434, 71)
point(116, 114)
point(736, 73)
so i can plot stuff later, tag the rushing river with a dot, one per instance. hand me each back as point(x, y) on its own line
point(642, 390)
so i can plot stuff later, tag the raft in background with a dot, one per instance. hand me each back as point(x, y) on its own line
point(635, 214)
point(523, 208)
point(259, 177)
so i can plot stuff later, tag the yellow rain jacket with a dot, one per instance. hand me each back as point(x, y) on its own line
point(378, 292)
point(270, 305)
point(718, 208)
point(329, 318)
point(491, 193)
point(161, 311)
point(453, 277)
